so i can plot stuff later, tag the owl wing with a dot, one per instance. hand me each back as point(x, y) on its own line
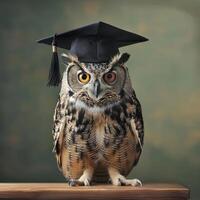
point(136, 119)
point(136, 115)
point(59, 126)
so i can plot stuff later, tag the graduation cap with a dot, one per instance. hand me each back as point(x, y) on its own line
point(94, 43)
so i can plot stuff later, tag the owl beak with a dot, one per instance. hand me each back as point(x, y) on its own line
point(97, 88)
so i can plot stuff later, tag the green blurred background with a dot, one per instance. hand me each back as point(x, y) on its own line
point(165, 73)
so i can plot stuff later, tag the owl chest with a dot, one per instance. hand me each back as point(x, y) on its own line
point(95, 137)
point(99, 136)
point(101, 139)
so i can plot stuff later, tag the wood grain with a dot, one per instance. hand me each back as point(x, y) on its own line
point(98, 192)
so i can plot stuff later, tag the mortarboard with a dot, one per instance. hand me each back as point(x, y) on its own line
point(94, 43)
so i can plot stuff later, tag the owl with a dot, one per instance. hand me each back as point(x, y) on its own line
point(98, 127)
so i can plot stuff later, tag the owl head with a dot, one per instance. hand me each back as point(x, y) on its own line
point(94, 84)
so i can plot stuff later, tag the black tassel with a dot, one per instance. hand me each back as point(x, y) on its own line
point(54, 72)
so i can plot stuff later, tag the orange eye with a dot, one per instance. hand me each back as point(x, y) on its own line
point(110, 77)
point(83, 77)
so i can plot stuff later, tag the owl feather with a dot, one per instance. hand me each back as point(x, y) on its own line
point(98, 125)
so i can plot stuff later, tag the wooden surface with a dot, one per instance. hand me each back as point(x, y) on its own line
point(63, 191)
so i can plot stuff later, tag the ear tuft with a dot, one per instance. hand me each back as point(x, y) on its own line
point(68, 58)
point(119, 59)
point(124, 58)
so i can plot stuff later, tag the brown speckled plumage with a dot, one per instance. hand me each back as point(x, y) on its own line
point(105, 135)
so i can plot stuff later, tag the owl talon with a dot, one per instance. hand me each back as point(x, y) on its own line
point(138, 183)
point(86, 177)
point(109, 181)
point(121, 182)
point(118, 179)
point(84, 181)
point(131, 182)
point(74, 182)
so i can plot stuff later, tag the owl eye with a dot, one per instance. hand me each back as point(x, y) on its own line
point(110, 77)
point(83, 77)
